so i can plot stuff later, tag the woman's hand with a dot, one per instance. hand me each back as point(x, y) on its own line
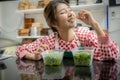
point(37, 54)
point(86, 17)
point(40, 49)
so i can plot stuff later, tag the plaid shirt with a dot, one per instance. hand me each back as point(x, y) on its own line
point(105, 48)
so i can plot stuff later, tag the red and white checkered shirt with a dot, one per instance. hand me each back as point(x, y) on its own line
point(105, 48)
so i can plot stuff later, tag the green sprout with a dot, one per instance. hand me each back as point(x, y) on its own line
point(53, 58)
point(82, 58)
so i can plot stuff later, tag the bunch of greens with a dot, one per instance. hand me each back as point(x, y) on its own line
point(82, 58)
point(53, 58)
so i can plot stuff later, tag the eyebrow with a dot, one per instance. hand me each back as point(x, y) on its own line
point(62, 9)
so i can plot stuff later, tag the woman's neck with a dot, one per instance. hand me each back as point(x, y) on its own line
point(67, 35)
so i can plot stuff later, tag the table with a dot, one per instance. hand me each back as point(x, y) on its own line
point(16, 69)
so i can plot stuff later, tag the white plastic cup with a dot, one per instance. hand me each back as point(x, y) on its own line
point(34, 31)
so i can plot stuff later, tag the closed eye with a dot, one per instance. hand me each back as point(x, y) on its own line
point(65, 10)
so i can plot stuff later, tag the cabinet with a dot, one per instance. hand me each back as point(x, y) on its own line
point(98, 10)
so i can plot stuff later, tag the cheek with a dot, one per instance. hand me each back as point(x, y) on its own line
point(62, 18)
point(61, 21)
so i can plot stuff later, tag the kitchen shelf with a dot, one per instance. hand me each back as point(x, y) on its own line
point(74, 7)
point(28, 37)
point(87, 6)
point(28, 11)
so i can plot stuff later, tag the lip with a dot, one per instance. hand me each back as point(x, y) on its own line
point(72, 19)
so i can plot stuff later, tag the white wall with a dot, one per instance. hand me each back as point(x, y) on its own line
point(114, 23)
point(0, 16)
point(0, 12)
point(9, 19)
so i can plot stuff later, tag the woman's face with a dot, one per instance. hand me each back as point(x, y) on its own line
point(66, 18)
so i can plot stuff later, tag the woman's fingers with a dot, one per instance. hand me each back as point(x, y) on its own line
point(37, 56)
point(42, 47)
point(82, 14)
point(45, 46)
point(85, 16)
point(33, 56)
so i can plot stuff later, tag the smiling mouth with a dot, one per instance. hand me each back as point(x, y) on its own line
point(72, 19)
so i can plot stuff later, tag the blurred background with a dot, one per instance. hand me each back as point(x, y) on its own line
point(19, 19)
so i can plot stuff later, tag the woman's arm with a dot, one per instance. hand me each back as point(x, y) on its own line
point(32, 51)
point(37, 54)
point(105, 48)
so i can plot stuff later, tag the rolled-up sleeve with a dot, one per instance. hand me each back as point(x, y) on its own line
point(109, 48)
point(105, 48)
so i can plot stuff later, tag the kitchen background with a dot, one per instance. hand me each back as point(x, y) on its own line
point(11, 19)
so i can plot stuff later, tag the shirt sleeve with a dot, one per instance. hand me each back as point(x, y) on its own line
point(109, 48)
point(104, 47)
point(29, 48)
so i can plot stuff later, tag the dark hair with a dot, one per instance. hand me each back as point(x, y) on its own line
point(50, 13)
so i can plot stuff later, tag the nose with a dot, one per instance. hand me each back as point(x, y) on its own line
point(70, 14)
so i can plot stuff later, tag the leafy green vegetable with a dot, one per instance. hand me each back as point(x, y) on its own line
point(82, 58)
point(53, 58)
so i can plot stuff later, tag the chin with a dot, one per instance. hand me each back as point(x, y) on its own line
point(72, 26)
point(75, 24)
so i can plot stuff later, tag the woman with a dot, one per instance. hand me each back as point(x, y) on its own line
point(60, 17)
